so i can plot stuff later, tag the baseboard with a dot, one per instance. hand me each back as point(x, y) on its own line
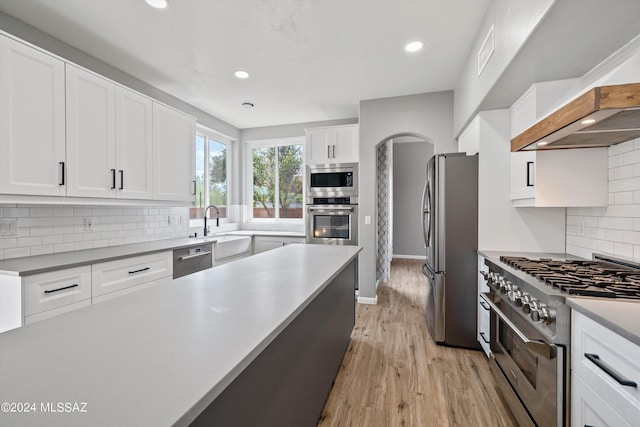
point(409, 256)
point(365, 300)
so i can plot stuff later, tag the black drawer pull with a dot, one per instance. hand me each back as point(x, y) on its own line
point(61, 173)
point(595, 359)
point(484, 338)
point(75, 285)
point(486, 307)
point(529, 174)
point(113, 179)
point(121, 180)
point(139, 271)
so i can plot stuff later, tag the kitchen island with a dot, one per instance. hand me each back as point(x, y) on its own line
point(254, 342)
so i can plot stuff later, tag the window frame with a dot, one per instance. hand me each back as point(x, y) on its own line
point(211, 135)
point(268, 143)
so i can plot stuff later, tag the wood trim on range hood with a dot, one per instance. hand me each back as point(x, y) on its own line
point(615, 109)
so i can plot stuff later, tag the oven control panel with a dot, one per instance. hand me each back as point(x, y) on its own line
point(535, 309)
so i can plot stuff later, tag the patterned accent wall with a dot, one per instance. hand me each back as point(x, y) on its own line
point(383, 265)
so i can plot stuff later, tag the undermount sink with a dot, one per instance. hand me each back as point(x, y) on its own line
point(206, 239)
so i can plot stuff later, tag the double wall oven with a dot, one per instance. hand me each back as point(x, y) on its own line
point(332, 204)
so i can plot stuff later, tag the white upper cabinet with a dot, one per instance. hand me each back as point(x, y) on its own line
point(32, 121)
point(91, 136)
point(174, 154)
point(134, 145)
point(335, 144)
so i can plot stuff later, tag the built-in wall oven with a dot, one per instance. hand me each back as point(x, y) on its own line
point(332, 180)
point(332, 220)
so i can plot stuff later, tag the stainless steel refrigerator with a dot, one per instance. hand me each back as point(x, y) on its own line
point(450, 225)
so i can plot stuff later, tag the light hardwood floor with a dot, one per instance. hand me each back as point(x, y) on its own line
point(393, 374)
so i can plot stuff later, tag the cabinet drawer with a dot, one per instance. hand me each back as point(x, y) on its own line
point(120, 274)
point(589, 409)
point(614, 353)
point(117, 294)
point(55, 289)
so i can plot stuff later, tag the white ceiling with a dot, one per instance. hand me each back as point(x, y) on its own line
point(309, 60)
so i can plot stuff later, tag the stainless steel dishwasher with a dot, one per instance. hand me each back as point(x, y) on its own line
point(192, 259)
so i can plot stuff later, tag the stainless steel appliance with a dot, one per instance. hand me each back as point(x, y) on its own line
point(190, 260)
point(332, 220)
point(450, 226)
point(530, 325)
point(332, 180)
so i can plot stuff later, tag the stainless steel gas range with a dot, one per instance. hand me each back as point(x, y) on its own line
point(531, 325)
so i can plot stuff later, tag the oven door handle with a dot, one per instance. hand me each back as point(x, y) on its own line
point(329, 208)
point(539, 347)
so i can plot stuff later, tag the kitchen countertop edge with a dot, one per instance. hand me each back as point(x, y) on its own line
point(622, 317)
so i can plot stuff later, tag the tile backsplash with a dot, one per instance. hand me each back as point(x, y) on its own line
point(614, 229)
point(47, 229)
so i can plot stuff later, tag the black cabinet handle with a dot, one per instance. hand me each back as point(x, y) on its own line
point(595, 359)
point(121, 179)
point(328, 151)
point(138, 271)
point(484, 338)
point(75, 285)
point(529, 174)
point(334, 151)
point(194, 188)
point(486, 307)
point(61, 173)
point(113, 179)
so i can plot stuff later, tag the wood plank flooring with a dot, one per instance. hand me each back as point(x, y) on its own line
point(393, 374)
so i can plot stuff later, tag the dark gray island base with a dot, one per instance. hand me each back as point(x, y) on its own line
point(255, 342)
point(289, 382)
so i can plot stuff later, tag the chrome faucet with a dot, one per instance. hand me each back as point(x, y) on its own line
point(206, 232)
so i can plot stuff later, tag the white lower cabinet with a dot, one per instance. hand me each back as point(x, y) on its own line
point(597, 355)
point(266, 243)
point(56, 292)
point(484, 311)
point(115, 278)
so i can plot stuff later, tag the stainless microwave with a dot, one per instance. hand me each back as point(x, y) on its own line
point(332, 180)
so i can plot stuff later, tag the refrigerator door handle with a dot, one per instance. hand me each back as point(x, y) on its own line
point(426, 213)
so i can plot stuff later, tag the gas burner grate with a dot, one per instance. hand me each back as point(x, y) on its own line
point(581, 277)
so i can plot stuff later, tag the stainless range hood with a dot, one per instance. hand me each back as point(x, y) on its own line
point(601, 117)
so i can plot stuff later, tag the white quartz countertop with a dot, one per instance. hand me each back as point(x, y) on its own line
point(159, 356)
point(622, 317)
point(43, 263)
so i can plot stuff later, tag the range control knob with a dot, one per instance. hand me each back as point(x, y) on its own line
point(525, 302)
point(546, 315)
point(515, 294)
point(505, 286)
point(535, 306)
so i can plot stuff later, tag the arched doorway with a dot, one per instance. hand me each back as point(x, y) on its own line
point(395, 204)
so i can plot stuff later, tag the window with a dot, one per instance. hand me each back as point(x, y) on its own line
point(277, 179)
point(212, 158)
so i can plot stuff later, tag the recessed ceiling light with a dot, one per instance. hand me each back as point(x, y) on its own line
point(541, 143)
point(588, 121)
point(414, 46)
point(158, 4)
point(247, 105)
point(242, 74)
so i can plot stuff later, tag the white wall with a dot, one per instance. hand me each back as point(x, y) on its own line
point(513, 21)
point(616, 228)
point(47, 229)
point(427, 116)
point(409, 174)
point(501, 226)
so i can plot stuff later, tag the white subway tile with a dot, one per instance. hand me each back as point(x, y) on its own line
point(623, 172)
point(63, 211)
point(70, 238)
point(17, 212)
point(63, 247)
point(8, 242)
point(624, 250)
point(16, 253)
point(63, 229)
point(622, 198)
point(29, 241)
point(100, 243)
point(41, 250)
point(616, 161)
point(631, 157)
point(621, 148)
point(51, 240)
point(79, 246)
point(41, 231)
point(52, 221)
